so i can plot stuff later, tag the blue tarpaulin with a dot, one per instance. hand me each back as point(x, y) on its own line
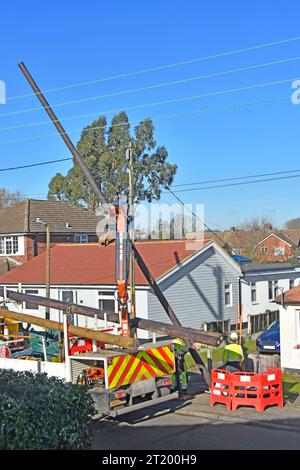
point(240, 259)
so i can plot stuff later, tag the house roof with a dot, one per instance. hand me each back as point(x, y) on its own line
point(20, 218)
point(240, 239)
point(281, 236)
point(268, 267)
point(91, 264)
point(291, 297)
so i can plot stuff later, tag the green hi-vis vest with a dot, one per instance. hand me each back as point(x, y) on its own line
point(233, 353)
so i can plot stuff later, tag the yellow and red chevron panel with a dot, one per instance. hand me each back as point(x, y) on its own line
point(142, 365)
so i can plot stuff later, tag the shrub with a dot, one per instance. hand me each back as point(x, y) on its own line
point(41, 412)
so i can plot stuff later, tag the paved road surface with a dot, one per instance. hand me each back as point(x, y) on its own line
point(168, 431)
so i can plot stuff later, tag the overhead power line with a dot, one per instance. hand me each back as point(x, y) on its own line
point(31, 165)
point(163, 67)
point(160, 117)
point(236, 178)
point(237, 184)
point(155, 86)
point(156, 103)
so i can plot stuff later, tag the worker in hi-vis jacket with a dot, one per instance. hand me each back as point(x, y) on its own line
point(233, 355)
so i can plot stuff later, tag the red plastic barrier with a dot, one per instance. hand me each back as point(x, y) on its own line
point(246, 390)
point(271, 393)
point(220, 391)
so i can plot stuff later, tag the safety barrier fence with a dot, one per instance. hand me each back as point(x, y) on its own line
point(246, 389)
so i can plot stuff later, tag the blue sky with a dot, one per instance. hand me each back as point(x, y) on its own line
point(74, 41)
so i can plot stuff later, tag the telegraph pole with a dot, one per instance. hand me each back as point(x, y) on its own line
point(131, 229)
point(47, 228)
point(48, 269)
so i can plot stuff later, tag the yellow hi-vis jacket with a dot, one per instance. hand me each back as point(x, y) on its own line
point(233, 353)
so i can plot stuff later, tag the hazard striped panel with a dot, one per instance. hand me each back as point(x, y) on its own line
point(142, 365)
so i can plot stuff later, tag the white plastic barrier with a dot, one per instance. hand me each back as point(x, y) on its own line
point(53, 369)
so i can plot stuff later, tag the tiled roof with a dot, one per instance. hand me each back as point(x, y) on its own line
point(21, 217)
point(90, 264)
point(291, 296)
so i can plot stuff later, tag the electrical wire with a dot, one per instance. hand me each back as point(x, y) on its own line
point(155, 86)
point(31, 165)
point(159, 117)
point(238, 184)
point(163, 67)
point(236, 178)
point(155, 103)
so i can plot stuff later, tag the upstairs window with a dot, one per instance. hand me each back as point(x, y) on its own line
point(81, 238)
point(292, 283)
point(273, 289)
point(228, 295)
point(264, 250)
point(9, 245)
point(253, 292)
point(279, 251)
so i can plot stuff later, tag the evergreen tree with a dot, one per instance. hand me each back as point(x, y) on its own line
point(103, 149)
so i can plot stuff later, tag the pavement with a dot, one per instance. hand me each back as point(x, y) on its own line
point(197, 405)
point(191, 424)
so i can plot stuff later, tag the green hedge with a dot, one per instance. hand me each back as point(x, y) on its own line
point(41, 412)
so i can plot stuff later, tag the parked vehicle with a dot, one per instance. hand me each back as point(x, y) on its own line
point(269, 340)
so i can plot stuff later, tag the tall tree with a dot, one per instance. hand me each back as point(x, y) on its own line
point(103, 149)
point(293, 223)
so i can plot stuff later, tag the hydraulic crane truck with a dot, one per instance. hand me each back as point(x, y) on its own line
point(119, 374)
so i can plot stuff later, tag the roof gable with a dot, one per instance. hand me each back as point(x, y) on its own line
point(280, 236)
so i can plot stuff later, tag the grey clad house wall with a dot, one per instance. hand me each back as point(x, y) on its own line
point(196, 291)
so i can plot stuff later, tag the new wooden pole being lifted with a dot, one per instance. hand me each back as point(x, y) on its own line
point(191, 334)
point(107, 338)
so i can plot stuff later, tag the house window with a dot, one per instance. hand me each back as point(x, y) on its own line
point(264, 250)
point(228, 295)
point(272, 289)
point(106, 301)
point(279, 251)
point(67, 296)
point(81, 238)
point(29, 305)
point(9, 245)
point(292, 283)
point(253, 292)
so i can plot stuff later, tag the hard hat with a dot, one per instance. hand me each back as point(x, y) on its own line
point(233, 336)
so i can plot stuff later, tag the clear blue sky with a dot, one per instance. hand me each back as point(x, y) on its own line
point(73, 41)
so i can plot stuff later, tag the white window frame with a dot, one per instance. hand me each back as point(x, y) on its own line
point(81, 238)
point(274, 286)
point(228, 290)
point(31, 291)
point(253, 288)
point(282, 251)
point(13, 240)
point(264, 250)
point(106, 295)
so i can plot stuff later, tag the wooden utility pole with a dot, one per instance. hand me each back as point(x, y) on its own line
point(131, 230)
point(107, 338)
point(47, 269)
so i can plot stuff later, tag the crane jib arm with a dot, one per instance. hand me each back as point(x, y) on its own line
point(122, 264)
